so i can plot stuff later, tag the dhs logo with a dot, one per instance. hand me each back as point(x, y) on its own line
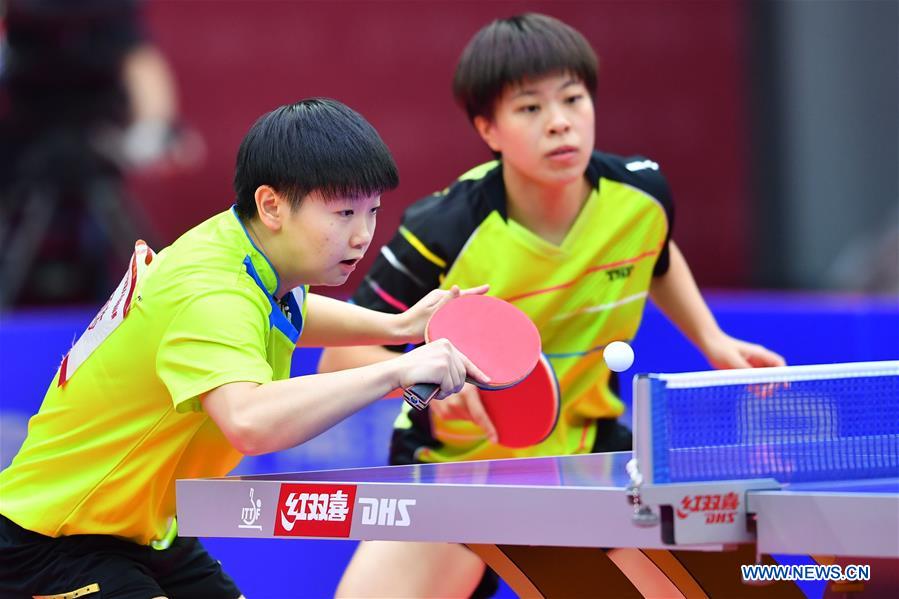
point(717, 508)
point(386, 512)
point(315, 510)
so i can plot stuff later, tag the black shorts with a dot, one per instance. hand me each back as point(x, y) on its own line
point(100, 566)
point(611, 435)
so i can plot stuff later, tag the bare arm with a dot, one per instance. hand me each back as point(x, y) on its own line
point(332, 322)
point(150, 86)
point(342, 358)
point(678, 297)
point(464, 405)
point(152, 99)
point(259, 419)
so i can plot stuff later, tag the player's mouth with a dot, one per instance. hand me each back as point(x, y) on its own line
point(563, 153)
point(349, 265)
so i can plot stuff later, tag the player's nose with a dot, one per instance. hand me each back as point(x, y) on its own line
point(558, 121)
point(362, 236)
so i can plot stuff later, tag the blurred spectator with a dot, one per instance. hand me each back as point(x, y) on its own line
point(84, 97)
point(870, 262)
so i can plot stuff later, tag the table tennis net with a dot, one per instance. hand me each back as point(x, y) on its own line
point(805, 423)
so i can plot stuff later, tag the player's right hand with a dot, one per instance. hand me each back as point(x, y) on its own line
point(439, 363)
point(465, 405)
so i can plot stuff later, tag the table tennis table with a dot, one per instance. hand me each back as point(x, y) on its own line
point(567, 526)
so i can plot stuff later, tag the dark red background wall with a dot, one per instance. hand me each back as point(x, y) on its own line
point(671, 87)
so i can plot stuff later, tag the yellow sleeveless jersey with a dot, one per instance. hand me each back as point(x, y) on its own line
point(582, 294)
point(122, 419)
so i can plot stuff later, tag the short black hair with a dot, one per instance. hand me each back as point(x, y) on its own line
point(316, 144)
point(509, 51)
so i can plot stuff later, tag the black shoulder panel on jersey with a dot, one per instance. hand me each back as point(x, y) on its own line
point(436, 229)
point(444, 221)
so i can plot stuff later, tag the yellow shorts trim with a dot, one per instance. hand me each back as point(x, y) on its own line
point(88, 590)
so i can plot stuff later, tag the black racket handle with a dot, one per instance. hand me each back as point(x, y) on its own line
point(420, 395)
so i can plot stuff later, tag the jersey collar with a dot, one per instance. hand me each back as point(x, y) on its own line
point(266, 272)
point(495, 188)
point(594, 171)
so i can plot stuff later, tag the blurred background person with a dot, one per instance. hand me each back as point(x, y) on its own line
point(84, 97)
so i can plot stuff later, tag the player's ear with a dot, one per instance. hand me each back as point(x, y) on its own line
point(270, 206)
point(486, 128)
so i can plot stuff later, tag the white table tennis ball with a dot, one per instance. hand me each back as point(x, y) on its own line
point(618, 356)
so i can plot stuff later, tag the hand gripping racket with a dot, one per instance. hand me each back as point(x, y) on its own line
point(496, 336)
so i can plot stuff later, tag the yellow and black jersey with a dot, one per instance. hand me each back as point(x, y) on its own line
point(583, 293)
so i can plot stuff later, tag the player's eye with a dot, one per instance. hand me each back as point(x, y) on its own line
point(529, 108)
point(375, 209)
point(575, 98)
point(346, 213)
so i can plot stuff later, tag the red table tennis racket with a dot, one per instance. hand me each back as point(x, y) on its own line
point(496, 336)
point(527, 413)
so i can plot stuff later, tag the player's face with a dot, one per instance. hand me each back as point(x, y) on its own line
point(328, 238)
point(544, 129)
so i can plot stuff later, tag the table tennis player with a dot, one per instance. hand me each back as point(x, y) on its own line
point(575, 237)
point(185, 369)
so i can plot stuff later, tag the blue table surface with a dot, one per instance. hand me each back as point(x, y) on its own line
point(594, 471)
point(589, 470)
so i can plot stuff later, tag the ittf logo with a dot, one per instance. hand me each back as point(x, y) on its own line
point(315, 510)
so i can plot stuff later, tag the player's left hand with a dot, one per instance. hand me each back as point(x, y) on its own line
point(725, 352)
point(414, 320)
point(465, 405)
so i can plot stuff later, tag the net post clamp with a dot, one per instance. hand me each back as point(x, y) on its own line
point(699, 513)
